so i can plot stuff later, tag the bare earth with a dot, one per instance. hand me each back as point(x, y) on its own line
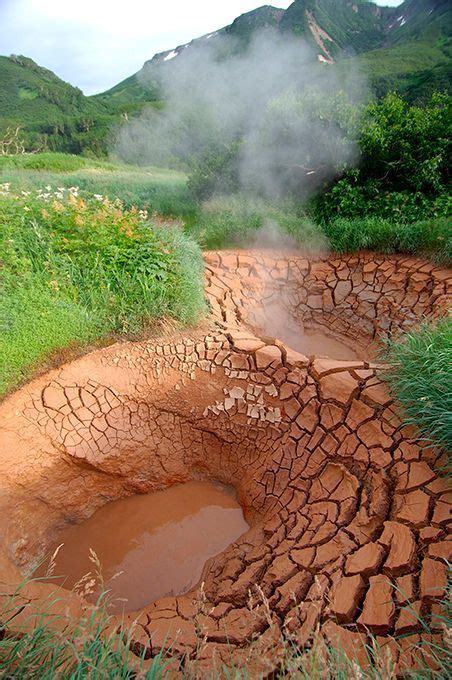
point(348, 518)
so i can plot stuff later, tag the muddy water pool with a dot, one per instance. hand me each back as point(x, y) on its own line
point(153, 545)
point(273, 321)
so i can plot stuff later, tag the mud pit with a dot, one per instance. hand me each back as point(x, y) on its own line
point(348, 520)
point(152, 545)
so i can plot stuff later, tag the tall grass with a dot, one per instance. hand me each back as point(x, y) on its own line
point(237, 220)
point(47, 647)
point(153, 189)
point(53, 162)
point(430, 238)
point(420, 377)
point(242, 221)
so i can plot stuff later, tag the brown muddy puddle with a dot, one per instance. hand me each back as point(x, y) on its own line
point(309, 340)
point(151, 546)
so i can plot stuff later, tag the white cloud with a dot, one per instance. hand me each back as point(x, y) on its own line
point(96, 43)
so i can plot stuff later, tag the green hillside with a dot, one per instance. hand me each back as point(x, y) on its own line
point(407, 49)
point(414, 69)
point(129, 90)
point(52, 114)
point(353, 26)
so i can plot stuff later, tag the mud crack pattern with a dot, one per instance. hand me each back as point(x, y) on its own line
point(349, 520)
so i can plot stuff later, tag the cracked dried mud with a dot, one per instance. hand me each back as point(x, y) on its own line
point(348, 520)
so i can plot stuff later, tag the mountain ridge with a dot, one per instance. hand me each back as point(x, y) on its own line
point(406, 48)
point(336, 29)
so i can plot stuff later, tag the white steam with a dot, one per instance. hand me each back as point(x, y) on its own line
point(219, 91)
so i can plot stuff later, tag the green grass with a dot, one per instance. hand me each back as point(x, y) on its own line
point(53, 162)
point(240, 221)
point(415, 69)
point(76, 271)
point(153, 189)
point(430, 238)
point(91, 649)
point(420, 377)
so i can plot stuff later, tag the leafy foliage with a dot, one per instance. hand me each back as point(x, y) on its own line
point(217, 170)
point(404, 168)
point(77, 270)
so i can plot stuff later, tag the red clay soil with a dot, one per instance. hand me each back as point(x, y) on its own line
point(348, 517)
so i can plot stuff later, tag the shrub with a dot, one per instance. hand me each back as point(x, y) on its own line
point(216, 171)
point(76, 270)
point(404, 168)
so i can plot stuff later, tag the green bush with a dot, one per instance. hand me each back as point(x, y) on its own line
point(420, 377)
point(404, 168)
point(351, 197)
point(76, 270)
point(216, 171)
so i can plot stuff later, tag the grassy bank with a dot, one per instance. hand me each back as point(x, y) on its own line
point(79, 266)
point(241, 221)
point(238, 220)
point(430, 238)
point(76, 270)
point(420, 378)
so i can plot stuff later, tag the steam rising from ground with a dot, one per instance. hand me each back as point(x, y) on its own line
point(218, 91)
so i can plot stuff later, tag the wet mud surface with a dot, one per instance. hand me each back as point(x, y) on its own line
point(152, 545)
point(349, 520)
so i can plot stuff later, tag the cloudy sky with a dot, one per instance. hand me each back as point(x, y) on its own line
point(96, 43)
